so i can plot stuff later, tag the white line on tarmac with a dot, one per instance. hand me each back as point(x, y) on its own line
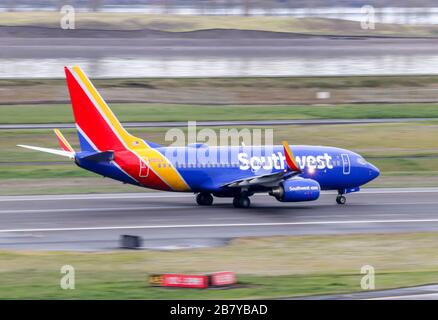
point(88, 209)
point(393, 190)
point(183, 195)
point(93, 196)
point(422, 296)
point(158, 207)
point(223, 225)
point(394, 203)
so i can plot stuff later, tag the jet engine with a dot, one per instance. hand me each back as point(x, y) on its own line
point(296, 190)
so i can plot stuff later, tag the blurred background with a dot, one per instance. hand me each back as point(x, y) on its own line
point(152, 49)
point(357, 74)
point(173, 61)
point(162, 38)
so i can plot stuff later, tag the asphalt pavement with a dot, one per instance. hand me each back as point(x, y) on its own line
point(174, 221)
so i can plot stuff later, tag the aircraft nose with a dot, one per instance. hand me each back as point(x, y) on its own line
point(374, 172)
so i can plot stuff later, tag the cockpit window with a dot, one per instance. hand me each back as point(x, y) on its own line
point(361, 161)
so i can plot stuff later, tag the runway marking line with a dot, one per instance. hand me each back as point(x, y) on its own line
point(219, 225)
point(90, 209)
point(188, 206)
point(410, 296)
point(185, 195)
point(93, 197)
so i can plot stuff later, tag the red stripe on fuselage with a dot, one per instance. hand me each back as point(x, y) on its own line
point(130, 163)
point(97, 129)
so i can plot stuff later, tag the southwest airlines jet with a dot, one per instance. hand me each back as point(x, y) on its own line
point(288, 173)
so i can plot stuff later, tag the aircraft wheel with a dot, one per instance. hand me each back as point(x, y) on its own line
point(340, 199)
point(204, 199)
point(244, 202)
point(241, 202)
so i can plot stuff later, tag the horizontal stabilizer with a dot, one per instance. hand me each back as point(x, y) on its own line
point(63, 153)
point(100, 156)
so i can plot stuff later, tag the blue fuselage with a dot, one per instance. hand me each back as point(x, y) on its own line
point(209, 169)
point(333, 168)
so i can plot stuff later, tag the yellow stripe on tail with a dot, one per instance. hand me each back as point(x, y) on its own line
point(130, 141)
point(138, 146)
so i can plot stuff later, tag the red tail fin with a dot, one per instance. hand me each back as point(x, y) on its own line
point(94, 119)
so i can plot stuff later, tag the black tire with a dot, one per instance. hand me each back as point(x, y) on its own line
point(341, 199)
point(236, 202)
point(204, 199)
point(241, 202)
point(244, 202)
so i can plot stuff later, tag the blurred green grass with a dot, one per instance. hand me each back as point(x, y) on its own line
point(266, 268)
point(380, 141)
point(61, 113)
point(406, 154)
point(296, 82)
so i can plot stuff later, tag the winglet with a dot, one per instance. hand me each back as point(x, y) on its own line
point(63, 141)
point(290, 160)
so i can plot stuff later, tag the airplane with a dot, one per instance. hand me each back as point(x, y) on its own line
point(288, 173)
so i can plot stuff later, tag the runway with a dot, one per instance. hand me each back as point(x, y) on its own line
point(428, 292)
point(173, 220)
point(158, 124)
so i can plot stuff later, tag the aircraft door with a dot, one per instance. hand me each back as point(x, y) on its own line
point(144, 167)
point(345, 163)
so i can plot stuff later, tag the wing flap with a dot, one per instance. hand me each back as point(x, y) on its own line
point(262, 180)
point(270, 178)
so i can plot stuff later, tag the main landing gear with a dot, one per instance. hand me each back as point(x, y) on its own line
point(340, 199)
point(241, 202)
point(204, 199)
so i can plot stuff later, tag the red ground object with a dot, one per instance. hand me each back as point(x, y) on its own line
point(224, 278)
point(216, 279)
point(185, 281)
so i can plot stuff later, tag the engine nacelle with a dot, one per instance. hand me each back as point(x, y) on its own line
point(296, 190)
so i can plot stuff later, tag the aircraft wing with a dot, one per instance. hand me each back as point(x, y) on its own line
point(271, 179)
